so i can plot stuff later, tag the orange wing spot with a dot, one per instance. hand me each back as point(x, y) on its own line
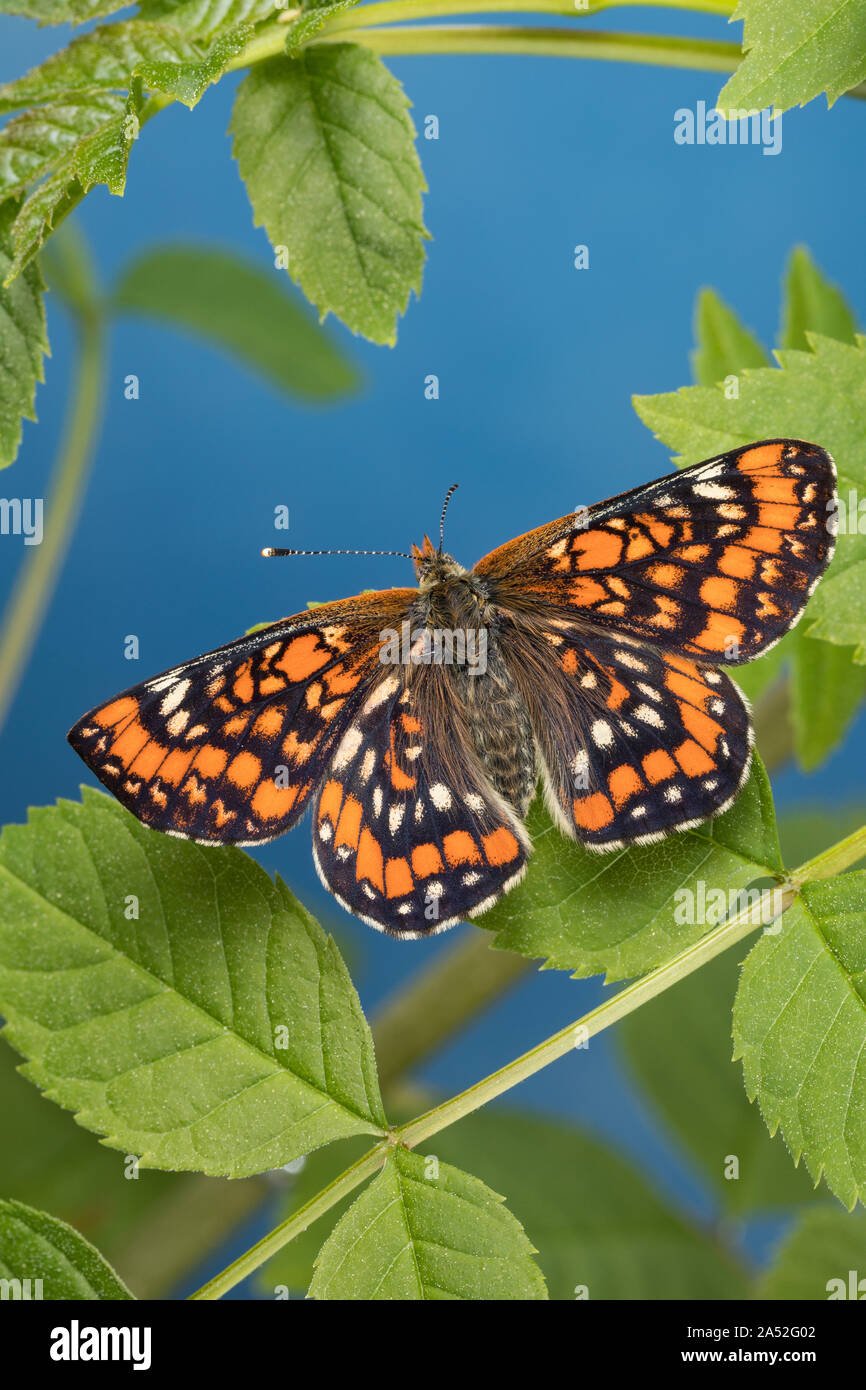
point(221, 815)
point(244, 770)
point(719, 593)
point(269, 685)
point(349, 824)
point(569, 662)
point(704, 729)
point(341, 681)
point(616, 608)
point(666, 613)
point(222, 702)
point(737, 562)
point(597, 550)
point(127, 744)
point(693, 554)
point(460, 848)
point(330, 802)
point(269, 723)
point(410, 724)
point(659, 766)
point(272, 802)
point(236, 725)
point(242, 685)
point(771, 572)
point(618, 586)
point(313, 694)
point(174, 769)
point(721, 629)
point(210, 761)
point(194, 790)
point(776, 489)
point(401, 781)
point(660, 531)
point(618, 694)
point(125, 708)
point(695, 691)
point(148, 760)
point(500, 846)
point(585, 592)
point(623, 783)
point(682, 663)
point(692, 759)
point(758, 460)
point(592, 812)
point(327, 712)
point(303, 656)
point(426, 860)
point(398, 878)
point(768, 608)
point(761, 538)
point(666, 576)
point(297, 752)
point(639, 546)
point(368, 864)
point(778, 515)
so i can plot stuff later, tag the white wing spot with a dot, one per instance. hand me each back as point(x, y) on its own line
point(647, 715)
point(602, 733)
point(395, 817)
point(440, 796)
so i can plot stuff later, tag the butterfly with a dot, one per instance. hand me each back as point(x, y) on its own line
point(418, 722)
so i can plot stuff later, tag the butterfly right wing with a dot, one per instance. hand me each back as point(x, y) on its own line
point(228, 748)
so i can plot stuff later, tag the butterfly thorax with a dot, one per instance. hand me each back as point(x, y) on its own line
point(454, 600)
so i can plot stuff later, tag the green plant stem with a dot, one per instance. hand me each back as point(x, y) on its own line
point(368, 1164)
point(39, 571)
point(832, 861)
point(397, 11)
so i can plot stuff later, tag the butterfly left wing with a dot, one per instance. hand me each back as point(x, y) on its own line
point(716, 561)
point(408, 832)
point(633, 742)
point(228, 748)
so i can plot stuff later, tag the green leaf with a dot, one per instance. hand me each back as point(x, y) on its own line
point(310, 21)
point(34, 1245)
point(796, 49)
point(812, 305)
point(33, 143)
point(325, 147)
point(188, 81)
point(823, 1257)
point(618, 913)
point(204, 19)
point(827, 688)
point(425, 1230)
point(23, 341)
point(218, 1031)
point(723, 345)
point(101, 156)
point(61, 11)
point(800, 1029)
point(679, 1049)
point(838, 613)
point(240, 308)
point(595, 1219)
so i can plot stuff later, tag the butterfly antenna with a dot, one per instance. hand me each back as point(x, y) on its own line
point(449, 494)
point(271, 550)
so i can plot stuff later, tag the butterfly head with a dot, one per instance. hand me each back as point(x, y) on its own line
point(433, 566)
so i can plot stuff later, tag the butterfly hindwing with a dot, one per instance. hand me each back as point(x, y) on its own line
point(715, 562)
point(634, 742)
point(228, 748)
point(408, 832)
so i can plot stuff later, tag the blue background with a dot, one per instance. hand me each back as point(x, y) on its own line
point(536, 362)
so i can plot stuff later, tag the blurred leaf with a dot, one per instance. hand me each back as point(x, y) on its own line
point(723, 345)
point(163, 1033)
point(826, 693)
point(800, 1030)
point(153, 1227)
point(34, 1245)
point(796, 49)
point(23, 342)
point(424, 1230)
point(61, 11)
point(812, 304)
point(242, 309)
point(326, 149)
point(679, 1048)
point(310, 21)
point(594, 1218)
point(583, 912)
point(805, 831)
point(826, 1245)
point(838, 613)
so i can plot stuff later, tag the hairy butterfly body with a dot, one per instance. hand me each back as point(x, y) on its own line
point(416, 723)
